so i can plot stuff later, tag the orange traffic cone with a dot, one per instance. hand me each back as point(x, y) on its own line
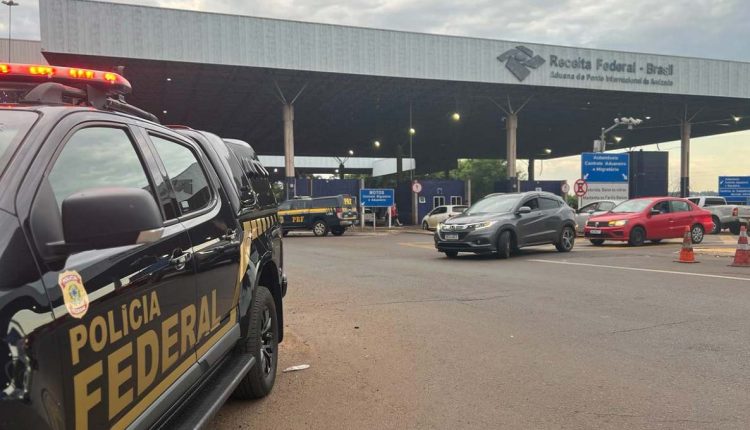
point(686, 253)
point(742, 255)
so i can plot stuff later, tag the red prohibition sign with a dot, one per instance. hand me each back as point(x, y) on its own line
point(581, 187)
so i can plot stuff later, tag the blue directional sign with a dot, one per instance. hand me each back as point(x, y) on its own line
point(376, 197)
point(604, 167)
point(736, 189)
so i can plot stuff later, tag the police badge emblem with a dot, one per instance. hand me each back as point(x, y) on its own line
point(74, 294)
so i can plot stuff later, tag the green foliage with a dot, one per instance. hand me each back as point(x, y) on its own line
point(572, 201)
point(483, 174)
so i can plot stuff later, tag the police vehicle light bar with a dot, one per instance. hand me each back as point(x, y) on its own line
point(108, 81)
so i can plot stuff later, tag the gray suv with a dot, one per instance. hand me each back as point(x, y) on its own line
point(503, 223)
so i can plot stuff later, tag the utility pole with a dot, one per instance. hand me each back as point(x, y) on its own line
point(10, 4)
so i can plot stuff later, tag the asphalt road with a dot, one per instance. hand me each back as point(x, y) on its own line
point(399, 337)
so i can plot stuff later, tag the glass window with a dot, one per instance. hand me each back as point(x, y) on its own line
point(13, 127)
point(606, 206)
point(697, 200)
point(662, 207)
point(532, 203)
point(588, 207)
point(438, 201)
point(546, 204)
point(285, 206)
point(97, 157)
point(252, 168)
point(330, 202)
point(494, 204)
point(301, 204)
point(456, 200)
point(679, 206)
point(185, 173)
point(440, 210)
point(459, 209)
point(714, 202)
point(632, 206)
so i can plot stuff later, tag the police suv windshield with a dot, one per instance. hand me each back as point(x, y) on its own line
point(13, 127)
point(494, 204)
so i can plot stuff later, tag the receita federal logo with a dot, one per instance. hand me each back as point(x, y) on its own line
point(519, 60)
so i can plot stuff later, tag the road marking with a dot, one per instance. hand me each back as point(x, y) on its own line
point(418, 245)
point(637, 269)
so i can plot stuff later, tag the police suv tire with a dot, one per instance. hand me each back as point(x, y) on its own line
point(717, 225)
point(504, 245)
point(320, 228)
point(337, 231)
point(262, 340)
point(567, 239)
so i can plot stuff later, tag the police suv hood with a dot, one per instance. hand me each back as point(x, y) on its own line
point(475, 218)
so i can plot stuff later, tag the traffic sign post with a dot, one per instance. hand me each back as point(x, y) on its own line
point(376, 198)
point(735, 189)
point(606, 177)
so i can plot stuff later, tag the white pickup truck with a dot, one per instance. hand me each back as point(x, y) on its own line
point(724, 215)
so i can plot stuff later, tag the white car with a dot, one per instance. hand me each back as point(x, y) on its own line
point(592, 209)
point(440, 214)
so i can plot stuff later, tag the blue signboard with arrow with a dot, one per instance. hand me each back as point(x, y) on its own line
point(605, 167)
point(735, 189)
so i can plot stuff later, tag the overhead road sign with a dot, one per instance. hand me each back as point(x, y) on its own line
point(376, 197)
point(604, 167)
point(735, 189)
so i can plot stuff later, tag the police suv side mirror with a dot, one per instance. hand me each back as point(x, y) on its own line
point(523, 210)
point(100, 218)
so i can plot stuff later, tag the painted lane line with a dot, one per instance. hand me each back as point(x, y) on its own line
point(636, 269)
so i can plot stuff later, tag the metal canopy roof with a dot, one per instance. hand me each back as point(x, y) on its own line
point(337, 112)
point(359, 84)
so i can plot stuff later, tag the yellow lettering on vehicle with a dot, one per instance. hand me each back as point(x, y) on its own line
point(117, 377)
point(133, 353)
point(147, 340)
point(168, 340)
point(85, 400)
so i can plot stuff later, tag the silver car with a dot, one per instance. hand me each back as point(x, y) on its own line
point(592, 209)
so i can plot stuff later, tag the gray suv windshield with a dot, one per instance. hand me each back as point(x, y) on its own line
point(494, 204)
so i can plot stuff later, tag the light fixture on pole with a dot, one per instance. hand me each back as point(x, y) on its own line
point(376, 144)
point(629, 122)
point(618, 139)
point(10, 4)
point(736, 118)
point(456, 116)
point(412, 132)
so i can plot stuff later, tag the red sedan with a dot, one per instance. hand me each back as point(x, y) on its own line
point(650, 218)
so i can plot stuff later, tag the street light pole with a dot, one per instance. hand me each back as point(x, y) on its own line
point(10, 4)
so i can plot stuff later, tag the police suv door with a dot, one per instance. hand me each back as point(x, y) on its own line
point(215, 235)
point(126, 316)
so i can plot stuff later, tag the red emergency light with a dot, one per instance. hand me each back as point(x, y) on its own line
point(107, 81)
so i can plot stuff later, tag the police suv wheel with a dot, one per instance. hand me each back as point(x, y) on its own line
point(320, 228)
point(262, 342)
point(338, 231)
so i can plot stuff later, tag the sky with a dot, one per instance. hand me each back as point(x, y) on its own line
point(698, 28)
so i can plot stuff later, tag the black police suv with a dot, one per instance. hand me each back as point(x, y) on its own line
point(142, 275)
point(319, 214)
point(503, 223)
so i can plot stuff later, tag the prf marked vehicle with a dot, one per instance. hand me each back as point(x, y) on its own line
point(724, 215)
point(142, 266)
point(649, 218)
point(319, 214)
point(592, 209)
point(440, 214)
point(504, 223)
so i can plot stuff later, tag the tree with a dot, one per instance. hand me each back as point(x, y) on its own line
point(483, 174)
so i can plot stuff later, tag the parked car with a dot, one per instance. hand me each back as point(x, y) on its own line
point(503, 223)
point(142, 276)
point(440, 214)
point(649, 218)
point(592, 209)
point(319, 214)
point(724, 215)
